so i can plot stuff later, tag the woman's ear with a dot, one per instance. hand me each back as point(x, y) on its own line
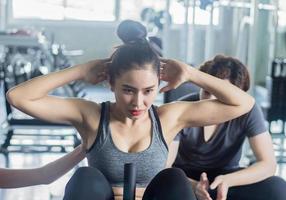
point(106, 83)
point(111, 86)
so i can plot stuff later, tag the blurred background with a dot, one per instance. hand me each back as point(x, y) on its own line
point(41, 36)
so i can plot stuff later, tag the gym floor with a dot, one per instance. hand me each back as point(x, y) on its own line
point(54, 191)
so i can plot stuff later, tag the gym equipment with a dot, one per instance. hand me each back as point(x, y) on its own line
point(129, 188)
point(25, 55)
point(276, 112)
point(276, 85)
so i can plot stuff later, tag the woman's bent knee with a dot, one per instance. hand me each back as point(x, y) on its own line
point(86, 183)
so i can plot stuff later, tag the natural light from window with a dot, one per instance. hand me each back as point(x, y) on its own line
point(282, 13)
point(104, 10)
point(130, 9)
point(202, 17)
point(58, 10)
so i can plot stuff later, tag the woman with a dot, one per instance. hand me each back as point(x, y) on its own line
point(130, 129)
point(14, 178)
point(210, 155)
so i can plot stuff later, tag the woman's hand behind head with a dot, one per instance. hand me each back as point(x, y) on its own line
point(96, 71)
point(174, 73)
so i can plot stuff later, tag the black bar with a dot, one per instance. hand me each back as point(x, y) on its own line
point(129, 181)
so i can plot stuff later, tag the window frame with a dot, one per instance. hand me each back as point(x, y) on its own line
point(64, 22)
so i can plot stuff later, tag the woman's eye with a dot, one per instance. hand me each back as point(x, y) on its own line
point(149, 91)
point(128, 91)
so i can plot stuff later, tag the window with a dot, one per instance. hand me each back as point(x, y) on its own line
point(104, 10)
point(282, 13)
point(38, 9)
point(64, 9)
point(131, 9)
point(99, 10)
point(202, 17)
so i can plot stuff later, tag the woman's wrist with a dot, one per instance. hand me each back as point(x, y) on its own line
point(229, 180)
point(192, 74)
point(80, 71)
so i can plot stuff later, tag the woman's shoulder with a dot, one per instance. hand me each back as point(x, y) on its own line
point(90, 110)
point(92, 115)
point(169, 112)
point(164, 108)
point(88, 105)
point(172, 108)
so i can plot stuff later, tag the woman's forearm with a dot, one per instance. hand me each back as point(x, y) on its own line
point(52, 171)
point(39, 87)
point(14, 178)
point(253, 174)
point(224, 91)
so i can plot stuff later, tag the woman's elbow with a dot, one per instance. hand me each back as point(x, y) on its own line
point(11, 97)
point(247, 105)
point(15, 98)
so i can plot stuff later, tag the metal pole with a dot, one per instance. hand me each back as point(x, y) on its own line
point(210, 35)
point(166, 33)
point(117, 10)
point(251, 58)
point(185, 37)
point(273, 24)
point(3, 15)
point(191, 56)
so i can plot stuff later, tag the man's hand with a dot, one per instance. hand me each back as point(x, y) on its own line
point(202, 187)
point(221, 183)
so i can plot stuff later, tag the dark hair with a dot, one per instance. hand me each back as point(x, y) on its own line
point(226, 67)
point(135, 53)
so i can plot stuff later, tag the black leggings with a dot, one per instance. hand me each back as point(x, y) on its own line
point(273, 188)
point(90, 184)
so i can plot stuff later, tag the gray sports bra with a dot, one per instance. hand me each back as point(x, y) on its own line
point(106, 157)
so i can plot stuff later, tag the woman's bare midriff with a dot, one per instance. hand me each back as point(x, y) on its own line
point(118, 193)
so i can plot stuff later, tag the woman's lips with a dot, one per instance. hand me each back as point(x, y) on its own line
point(136, 112)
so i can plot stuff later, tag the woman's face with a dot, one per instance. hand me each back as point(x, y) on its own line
point(135, 91)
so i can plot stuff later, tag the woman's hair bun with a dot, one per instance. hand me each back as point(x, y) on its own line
point(130, 31)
